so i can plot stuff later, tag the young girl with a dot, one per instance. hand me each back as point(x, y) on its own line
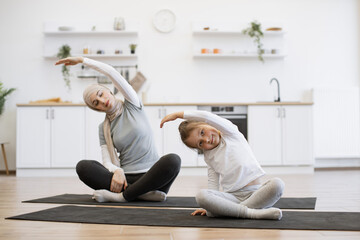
point(138, 173)
point(232, 167)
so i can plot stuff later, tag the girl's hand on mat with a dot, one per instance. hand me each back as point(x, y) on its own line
point(171, 117)
point(118, 181)
point(201, 212)
point(70, 61)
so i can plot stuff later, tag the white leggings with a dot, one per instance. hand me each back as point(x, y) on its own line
point(255, 197)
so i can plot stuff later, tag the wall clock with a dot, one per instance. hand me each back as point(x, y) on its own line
point(164, 20)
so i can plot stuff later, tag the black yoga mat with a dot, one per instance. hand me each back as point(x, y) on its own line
point(345, 221)
point(181, 202)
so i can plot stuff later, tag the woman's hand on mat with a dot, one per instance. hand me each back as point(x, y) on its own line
point(200, 211)
point(118, 181)
point(70, 61)
point(171, 117)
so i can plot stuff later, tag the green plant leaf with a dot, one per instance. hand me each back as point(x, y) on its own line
point(64, 52)
point(254, 31)
point(3, 93)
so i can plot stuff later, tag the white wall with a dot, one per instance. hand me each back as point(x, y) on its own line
point(321, 41)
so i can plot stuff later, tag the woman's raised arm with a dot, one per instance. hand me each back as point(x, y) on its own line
point(119, 82)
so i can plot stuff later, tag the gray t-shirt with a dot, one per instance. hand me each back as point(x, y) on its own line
point(133, 139)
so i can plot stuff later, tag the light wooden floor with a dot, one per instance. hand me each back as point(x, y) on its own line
point(335, 191)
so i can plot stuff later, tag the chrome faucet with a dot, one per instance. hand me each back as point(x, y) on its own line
point(278, 88)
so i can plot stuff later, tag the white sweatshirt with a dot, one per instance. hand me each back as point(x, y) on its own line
point(232, 164)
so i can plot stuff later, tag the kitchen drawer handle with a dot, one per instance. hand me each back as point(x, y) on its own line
point(52, 114)
point(164, 113)
point(47, 113)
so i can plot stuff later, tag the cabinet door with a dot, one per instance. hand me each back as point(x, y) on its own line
point(92, 143)
point(172, 140)
point(154, 114)
point(264, 134)
point(33, 137)
point(297, 135)
point(67, 136)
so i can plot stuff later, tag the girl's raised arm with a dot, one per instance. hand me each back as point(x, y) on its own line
point(222, 124)
point(171, 117)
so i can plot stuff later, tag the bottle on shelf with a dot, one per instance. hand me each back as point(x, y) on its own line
point(86, 49)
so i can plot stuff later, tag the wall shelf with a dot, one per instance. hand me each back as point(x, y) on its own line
point(237, 55)
point(119, 56)
point(224, 40)
point(81, 38)
point(237, 33)
point(91, 33)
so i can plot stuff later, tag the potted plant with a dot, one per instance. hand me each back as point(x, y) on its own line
point(64, 52)
point(3, 93)
point(132, 48)
point(254, 31)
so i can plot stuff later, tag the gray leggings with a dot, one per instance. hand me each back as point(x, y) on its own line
point(255, 197)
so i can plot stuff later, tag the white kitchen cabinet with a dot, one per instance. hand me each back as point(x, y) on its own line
point(168, 138)
point(264, 134)
point(67, 136)
point(281, 135)
point(154, 114)
point(50, 137)
point(92, 143)
point(297, 135)
point(33, 137)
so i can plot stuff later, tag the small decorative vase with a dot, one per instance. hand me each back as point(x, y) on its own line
point(119, 23)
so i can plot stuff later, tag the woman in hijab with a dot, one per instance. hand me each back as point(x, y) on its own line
point(131, 167)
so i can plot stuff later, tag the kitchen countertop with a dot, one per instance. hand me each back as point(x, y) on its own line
point(229, 104)
point(177, 104)
point(50, 104)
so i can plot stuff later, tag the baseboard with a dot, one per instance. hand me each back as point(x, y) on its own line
point(337, 163)
point(285, 170)
point(193, 171)
point(46, 172)
point(184, 171)
point(337, 169)
point(272, 170)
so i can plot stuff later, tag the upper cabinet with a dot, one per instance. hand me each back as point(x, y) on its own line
point(94, 40)
point(227, 40)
